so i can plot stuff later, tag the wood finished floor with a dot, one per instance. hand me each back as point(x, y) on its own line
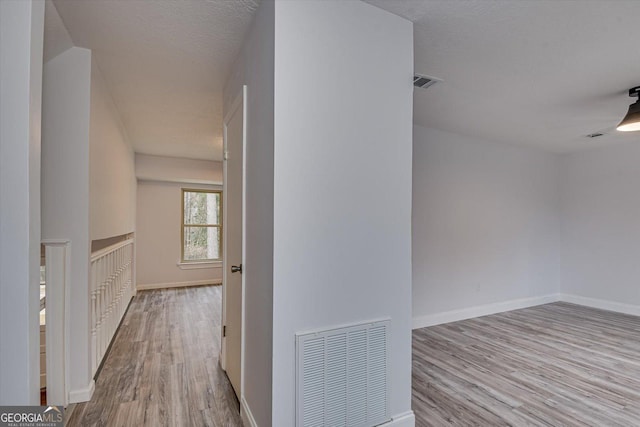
point(163, 367)
point(553, 365)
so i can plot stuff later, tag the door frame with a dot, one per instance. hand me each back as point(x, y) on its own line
point(239, 101)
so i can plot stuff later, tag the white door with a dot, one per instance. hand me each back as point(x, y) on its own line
point(233, 194)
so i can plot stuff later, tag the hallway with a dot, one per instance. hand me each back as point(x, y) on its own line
point(163, 367)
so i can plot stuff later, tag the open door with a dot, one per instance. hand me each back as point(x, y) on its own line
point(233, 255)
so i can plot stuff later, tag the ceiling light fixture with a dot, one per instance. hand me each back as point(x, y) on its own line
point(631, 121)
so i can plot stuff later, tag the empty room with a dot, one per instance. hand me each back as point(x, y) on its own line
point(320, 213)
point(526, 215)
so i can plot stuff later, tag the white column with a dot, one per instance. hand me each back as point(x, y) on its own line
point(65, 195)
point(21, 41)
point(342, 144)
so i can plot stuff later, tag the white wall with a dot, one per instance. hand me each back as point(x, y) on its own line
point(172, 169)
point(21, 40)
point(485, 224)
point(601, 225)
point(158, 239)
point(65, 189)
point(342, 229)
point(254, 68)
point(112, 179)
point(56, 36)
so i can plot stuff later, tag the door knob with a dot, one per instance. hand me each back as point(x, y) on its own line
point(236, 269)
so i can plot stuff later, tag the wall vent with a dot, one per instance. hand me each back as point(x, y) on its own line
point(424, 82)
point(343, 376)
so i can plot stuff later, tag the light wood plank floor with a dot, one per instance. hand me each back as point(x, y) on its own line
point(553, 365)
point(163, 367)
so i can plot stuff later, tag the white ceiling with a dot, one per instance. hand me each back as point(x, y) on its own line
point(165, 63)
point(537, 73)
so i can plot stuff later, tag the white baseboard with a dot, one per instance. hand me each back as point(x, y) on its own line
point(481, 310)
point(500, 307)
point(246, 415)
point(83, 394)
point(178, 284)
point(602, 304)
point(403, 420)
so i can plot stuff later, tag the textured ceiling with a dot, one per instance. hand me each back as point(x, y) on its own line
point(538, 73)
point(165, 63)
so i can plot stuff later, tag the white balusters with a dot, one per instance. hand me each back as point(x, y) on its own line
point(111, 290)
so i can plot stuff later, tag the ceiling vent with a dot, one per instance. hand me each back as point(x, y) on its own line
point(424, 82)
point(595, 135)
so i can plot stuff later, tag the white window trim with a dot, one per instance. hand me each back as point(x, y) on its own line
point(189, 265)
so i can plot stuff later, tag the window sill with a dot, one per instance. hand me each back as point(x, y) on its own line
point(199, 264)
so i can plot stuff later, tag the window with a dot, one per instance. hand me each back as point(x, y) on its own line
point(201, 225)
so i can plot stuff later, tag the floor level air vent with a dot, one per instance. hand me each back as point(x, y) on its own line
point(343, 376)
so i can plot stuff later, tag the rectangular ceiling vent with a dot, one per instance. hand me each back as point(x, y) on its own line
point(595, 135)
point(424, 82)
point(343, 376)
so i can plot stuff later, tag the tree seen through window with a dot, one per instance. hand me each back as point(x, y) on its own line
point(201, 225)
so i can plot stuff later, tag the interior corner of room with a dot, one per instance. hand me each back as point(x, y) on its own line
point(498, 227)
